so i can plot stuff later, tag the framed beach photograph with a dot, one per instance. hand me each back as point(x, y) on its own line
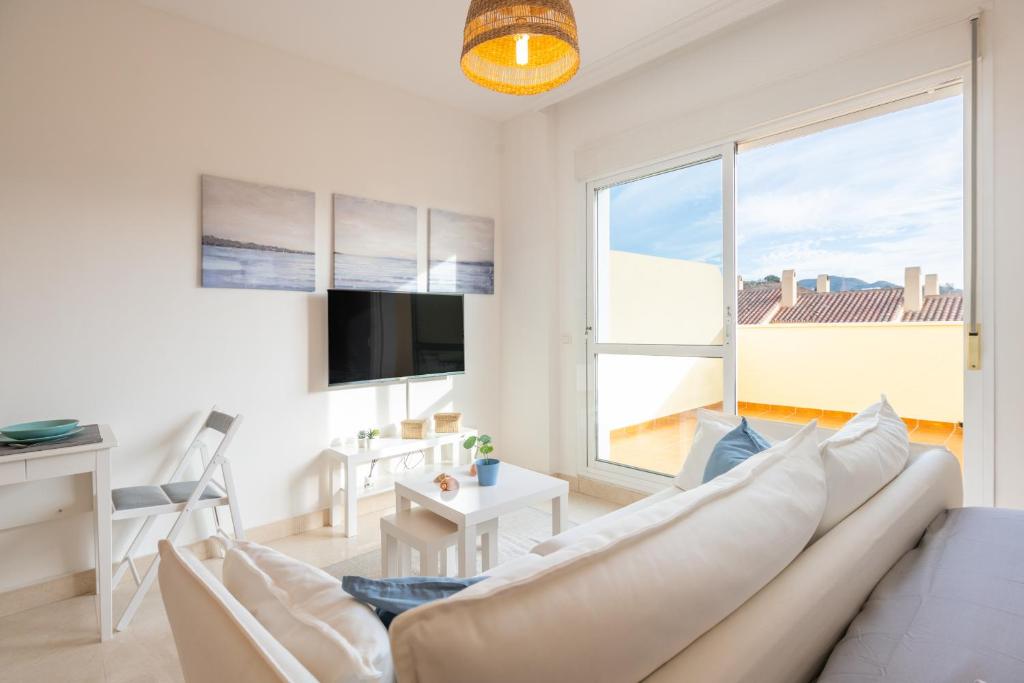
point(460, 253)
point(374, 245)
point(257, 236)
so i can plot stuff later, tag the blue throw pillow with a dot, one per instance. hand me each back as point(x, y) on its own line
point(734, 448)
point(391, 597)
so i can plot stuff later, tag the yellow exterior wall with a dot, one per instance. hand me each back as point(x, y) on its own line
point(919, 366)
point(658, 300)
point(635, 389)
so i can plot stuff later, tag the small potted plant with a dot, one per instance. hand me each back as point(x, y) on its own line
point(485, 468)
point(366, 436)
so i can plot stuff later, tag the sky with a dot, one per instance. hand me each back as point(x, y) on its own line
point(862, 200)
point(262, 214)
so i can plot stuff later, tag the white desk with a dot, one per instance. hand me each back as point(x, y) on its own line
point(472, 504)
point(349, 458)
point(18, 467)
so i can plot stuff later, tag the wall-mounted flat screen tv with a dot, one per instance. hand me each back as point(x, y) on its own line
point(373, 336)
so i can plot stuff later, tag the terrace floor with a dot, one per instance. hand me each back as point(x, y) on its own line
point(661, 445)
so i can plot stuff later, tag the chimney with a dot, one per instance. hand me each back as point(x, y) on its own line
point(912, 299)
point(823, 286)
point(931, 285)
point(739, 283)
point(788, 288)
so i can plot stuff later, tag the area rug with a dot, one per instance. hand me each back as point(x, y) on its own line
point(518, 533)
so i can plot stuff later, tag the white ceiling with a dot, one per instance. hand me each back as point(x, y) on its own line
point(415, 44)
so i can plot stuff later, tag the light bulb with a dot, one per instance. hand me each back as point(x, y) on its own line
point(523, 49)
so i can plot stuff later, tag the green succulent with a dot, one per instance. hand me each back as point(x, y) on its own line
point(479, 445)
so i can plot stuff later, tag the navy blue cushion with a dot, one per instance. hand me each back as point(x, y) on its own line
point(734, 448)
point(391, 597)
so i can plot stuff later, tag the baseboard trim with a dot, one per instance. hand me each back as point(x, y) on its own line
point(601, 489)
point(84, 582)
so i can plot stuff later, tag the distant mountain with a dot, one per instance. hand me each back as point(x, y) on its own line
point(838, 283)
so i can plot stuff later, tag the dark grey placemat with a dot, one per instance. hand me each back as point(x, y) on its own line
point(89, 434)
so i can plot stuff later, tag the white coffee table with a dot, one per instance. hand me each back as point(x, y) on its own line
point(472, 504)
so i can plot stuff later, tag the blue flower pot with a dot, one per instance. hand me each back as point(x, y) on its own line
point(487, 471)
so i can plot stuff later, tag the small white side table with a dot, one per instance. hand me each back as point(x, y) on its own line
point(431, 536)
point(349, 458)
point(93, 459)
point(472, 505)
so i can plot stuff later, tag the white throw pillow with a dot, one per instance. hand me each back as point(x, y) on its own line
point(338, 638)
point(862, 457)
point(711, 427)
point(616, 605)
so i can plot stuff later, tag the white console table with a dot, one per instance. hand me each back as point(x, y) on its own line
point(94, 459)
point(349, 458)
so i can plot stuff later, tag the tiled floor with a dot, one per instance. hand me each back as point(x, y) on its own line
point(58, 642)
point(662, 445)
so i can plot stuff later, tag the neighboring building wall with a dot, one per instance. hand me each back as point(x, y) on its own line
point(919, 366)
point(636, 389)
point(645, 309)
point(826, 366)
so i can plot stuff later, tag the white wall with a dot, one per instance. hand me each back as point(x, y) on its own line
point(110, 112)
point(787, 61)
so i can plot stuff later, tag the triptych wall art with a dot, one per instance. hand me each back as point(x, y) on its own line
point(374, 245)
point(263, 237)
point(461, 253)
point(257, 236)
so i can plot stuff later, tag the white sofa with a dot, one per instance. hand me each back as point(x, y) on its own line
point(784, 632)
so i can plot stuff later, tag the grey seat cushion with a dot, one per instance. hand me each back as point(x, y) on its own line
point(180, 491)
point(131, 497)
point(951, 609)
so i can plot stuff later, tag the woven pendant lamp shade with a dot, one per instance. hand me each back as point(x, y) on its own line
point(495, 29)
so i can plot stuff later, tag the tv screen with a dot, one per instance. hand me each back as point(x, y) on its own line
point(391, 335)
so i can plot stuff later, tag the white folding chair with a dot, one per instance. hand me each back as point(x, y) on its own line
point(181, 497)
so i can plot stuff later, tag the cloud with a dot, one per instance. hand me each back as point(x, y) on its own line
point(863, 200)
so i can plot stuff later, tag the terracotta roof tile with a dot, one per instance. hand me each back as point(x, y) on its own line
point(756, 303)
point(759, 305)
point(860, 306)
point(940, 308)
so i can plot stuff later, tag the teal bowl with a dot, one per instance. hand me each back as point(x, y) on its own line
point(36, 430)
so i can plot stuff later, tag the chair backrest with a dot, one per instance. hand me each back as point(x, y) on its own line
point(224, 425)
point(217, 639)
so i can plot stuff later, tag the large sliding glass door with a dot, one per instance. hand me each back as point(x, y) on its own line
point(854, 284)
point(661, 333)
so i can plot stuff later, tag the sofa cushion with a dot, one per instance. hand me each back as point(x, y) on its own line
point(618, 603)
point(862, 457)
point(711, 427)
point(733, 448)
point(216, 638)
point(335, 636)
point(785, 632)
point(950, 610)
point(576, 533)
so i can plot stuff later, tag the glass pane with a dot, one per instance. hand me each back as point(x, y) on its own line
point(659, 258)
point(646, 407)
point(852, 256)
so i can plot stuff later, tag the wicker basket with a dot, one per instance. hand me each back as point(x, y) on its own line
point(447, 423)
point(414, 429)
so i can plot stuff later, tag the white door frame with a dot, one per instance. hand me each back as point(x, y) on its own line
point(979, 386)
point(624, 474)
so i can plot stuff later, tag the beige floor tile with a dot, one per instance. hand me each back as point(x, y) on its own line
point(58, 642)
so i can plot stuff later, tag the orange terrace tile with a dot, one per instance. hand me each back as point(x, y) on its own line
point(662, 445)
